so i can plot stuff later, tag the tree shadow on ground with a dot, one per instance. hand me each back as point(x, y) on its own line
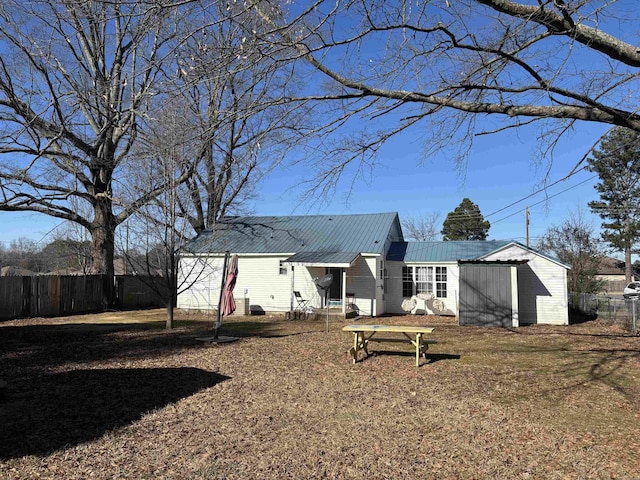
point(44, 346)
point(43, 414)
point(275, 329)
point(577, 366)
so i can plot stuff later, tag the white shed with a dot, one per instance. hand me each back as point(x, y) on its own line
point(542, 285)
point(534, 289)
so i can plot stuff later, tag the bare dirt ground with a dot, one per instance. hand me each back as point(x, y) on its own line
point(114, 396)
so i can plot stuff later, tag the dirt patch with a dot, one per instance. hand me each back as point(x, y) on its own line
point(104, 398)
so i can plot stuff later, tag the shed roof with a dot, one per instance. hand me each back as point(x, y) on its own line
point(318, 234)
point(451, 251)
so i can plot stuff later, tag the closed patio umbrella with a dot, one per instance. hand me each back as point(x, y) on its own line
point(228, 304)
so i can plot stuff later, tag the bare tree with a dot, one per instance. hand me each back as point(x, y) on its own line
point(444, 64)
point(575, 242)
point(226, 102)
point(154, 235)
point(66, 255)
point(76, 77)
point(24, 254)
point(422, 229)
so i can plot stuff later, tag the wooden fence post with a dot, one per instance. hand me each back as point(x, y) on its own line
point(26, 297)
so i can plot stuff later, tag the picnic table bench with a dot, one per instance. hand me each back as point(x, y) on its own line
point(363, 334)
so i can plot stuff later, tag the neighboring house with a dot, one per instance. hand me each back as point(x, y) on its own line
point(11, 271)
point(611, 271)
point(374, 269)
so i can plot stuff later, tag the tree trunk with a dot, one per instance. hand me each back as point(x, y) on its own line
point(172, 284)
point(170, 309)
point(103, 246)
point(627, 263)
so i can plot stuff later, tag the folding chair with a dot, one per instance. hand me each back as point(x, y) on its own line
point(303, 305)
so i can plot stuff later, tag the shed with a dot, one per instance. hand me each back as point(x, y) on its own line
point(542, 285)
point(489, 293)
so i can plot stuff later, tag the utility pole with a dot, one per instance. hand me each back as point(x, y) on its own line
point(526, 222)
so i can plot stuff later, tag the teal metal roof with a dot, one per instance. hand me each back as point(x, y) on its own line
point(327, 234)
point(454, 250)
point(325, 258)
point(542, 254)
point(443, 251)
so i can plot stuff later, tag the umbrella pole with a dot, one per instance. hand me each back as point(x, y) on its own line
point(326, 301)
point(218, 324)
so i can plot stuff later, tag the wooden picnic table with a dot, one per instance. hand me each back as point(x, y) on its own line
point(363, 334)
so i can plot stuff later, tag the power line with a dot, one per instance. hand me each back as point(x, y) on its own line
point(548, 198)
point(539, 191)
point(460, 216)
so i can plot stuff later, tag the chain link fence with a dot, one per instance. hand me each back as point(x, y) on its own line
point(619, 311)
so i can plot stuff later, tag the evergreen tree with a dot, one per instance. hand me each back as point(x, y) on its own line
point(617, 163)
point(465, 222)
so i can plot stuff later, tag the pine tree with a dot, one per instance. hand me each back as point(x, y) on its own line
point(465, 222)
point(617, 163)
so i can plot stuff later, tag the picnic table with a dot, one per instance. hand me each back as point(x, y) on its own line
point(363, 334)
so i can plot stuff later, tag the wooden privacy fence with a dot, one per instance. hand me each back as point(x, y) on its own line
point(137, 291)
point(54, 295)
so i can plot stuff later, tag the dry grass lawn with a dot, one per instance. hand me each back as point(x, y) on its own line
point(105, 396)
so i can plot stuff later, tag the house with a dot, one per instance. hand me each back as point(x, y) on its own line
point(611, 271)
point(11, 271)
point(375, 271)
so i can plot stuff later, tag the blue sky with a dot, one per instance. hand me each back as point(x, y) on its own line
point(501, 170)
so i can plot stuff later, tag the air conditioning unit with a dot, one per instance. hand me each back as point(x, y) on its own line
point(242, 306)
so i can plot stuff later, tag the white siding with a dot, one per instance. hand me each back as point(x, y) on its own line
point(453, 290)
point(199, 282)
point(378, 285)
point(394, 296)
point(361, 282)
point(260, 283)
point(393, 293)
point(542, 287)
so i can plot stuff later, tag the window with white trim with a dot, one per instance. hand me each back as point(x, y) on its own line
point(441, 282)
point(423, 279)
point(407, 281)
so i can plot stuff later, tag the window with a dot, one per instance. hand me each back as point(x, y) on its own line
point(407, 281)
point(441, 282)
point(424, 280)
point(283, 268)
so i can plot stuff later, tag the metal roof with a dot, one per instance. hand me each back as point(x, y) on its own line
point(451, 251)
point(489, 263)
point(552, 258)
point(324, 259)
point(361, 233)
